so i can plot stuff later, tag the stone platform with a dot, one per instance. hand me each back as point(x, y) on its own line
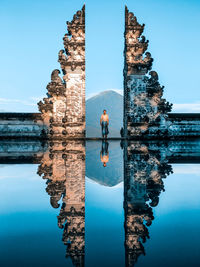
point(31, 125)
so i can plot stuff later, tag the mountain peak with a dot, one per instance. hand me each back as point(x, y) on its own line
point(112, 102)
point(110, 92)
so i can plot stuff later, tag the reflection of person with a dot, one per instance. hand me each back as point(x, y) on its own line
point(104, 121)
point(104, 154)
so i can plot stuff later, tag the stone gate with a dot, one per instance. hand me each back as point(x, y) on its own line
point(63, 110)
point(146, 112)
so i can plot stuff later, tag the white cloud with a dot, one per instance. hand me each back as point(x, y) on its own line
point(32, 101)
point(187, 169)
point(37, 99)
point(5, 101)
point(186, 107)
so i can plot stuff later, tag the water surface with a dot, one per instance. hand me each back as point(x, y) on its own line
point(132, 212)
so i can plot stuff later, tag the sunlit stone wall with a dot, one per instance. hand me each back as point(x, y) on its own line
point(63, 110)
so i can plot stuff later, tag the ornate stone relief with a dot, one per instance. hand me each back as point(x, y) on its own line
point(145, 111)
point(63, 111)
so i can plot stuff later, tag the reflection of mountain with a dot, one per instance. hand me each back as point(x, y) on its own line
point(113, 103)
point(110, 175)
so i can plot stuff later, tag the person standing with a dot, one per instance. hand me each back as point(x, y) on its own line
point(104, 122)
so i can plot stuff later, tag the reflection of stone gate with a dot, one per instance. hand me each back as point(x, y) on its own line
point(144, 170)
point(146, 164)
point(63, 165)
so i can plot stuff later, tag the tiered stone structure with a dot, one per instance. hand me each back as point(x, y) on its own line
point(145, 111)
point(63, 111)
point(64, 168)
point(144, 171)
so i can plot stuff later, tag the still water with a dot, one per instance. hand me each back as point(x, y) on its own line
point(59, 206)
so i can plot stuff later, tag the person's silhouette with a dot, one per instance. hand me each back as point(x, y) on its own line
point(104, 154)
point(104, 122)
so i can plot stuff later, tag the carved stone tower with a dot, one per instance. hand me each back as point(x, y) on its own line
point(144, 108)
point(63, 111)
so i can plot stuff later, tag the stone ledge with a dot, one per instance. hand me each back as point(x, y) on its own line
point(20, 116)
point(184, 116)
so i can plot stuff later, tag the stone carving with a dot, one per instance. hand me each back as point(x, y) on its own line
point(63, 166)
point(63, 111)
point(56, 87)
point(145, 111)
point(135, 46)
point(145, 167)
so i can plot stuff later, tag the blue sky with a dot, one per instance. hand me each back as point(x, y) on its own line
point(32, 34)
